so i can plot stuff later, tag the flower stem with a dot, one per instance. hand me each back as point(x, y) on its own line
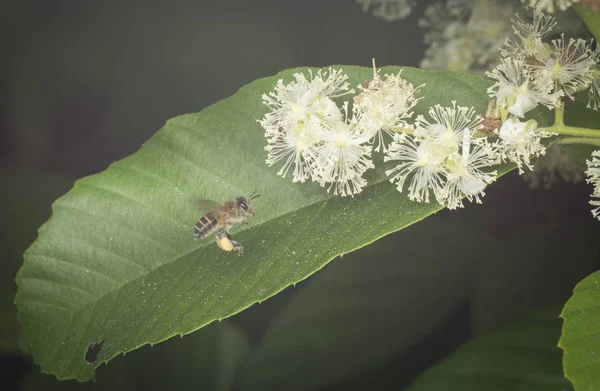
point(579, 140)
point(564, 130)
point(503, 115)
point(404, 130)
point(560, 128)
point(559, 115)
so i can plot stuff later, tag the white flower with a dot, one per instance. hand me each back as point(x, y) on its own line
point(302, 98)
point(383, 106)
point(465, 175)
point(594, 75)
point(515, 90)
point(298, 111)
point(389, 10)
point(519, 142)
point(529, 34)
point(341, 158)
point(593, 174)
point(550, 5)
point(566, 64)
point(448, 125)
point(443, 158)
point(420, 158)
point(292, 147)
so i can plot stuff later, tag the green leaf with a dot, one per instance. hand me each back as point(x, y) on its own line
point(522, 356)
point(580, 335)
point(579, 154)
point(24, 204)
point(590, 18)
point(364, 308)
point(205, 360)
point(117, 262)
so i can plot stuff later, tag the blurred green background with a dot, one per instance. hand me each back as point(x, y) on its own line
point(85, 83)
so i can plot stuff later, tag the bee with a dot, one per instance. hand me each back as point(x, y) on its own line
point(221, 218)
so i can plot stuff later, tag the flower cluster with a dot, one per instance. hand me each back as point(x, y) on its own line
point(518, 90)
point(521, 141)
point(465, 35)
point(449, 155)
point(293, 127)
point(443, 157)
point(383, 106)
point(550, 5)
point(534, 73)
point(311, 136)
point(306, 129)
point(388, 10)
point(593, 174)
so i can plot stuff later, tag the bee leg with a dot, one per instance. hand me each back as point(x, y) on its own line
point(222, 233)
point(237, 246)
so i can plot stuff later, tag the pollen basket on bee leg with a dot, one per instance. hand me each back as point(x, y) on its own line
point(224, 243)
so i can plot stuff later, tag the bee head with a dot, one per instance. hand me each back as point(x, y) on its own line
point(244, 205)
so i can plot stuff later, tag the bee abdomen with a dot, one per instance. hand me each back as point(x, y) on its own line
point(205, 225)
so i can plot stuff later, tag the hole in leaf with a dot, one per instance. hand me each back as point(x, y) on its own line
point(92, 351)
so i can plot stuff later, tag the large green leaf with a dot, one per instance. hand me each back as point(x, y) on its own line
point(522, 356)
point(580, 337)
point(117, 263)
point(24, 204)
point(364, 308)
point(205, 360)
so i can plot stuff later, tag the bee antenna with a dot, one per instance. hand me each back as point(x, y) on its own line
point(254, 196)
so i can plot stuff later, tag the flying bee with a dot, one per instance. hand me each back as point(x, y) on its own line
point(221, 218)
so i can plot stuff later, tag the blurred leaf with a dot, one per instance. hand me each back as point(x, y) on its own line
point(533, 257)
point(522, 356)
point(117, 262)
point(579, 154)
point(205, 360)
point(580, 337)
point(590, 18)
point(24, 204)
point(364, 308)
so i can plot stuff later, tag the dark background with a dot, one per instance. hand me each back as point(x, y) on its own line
point(85, 83)
point(89, 81)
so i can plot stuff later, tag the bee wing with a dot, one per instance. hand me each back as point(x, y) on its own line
point(204, 206)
